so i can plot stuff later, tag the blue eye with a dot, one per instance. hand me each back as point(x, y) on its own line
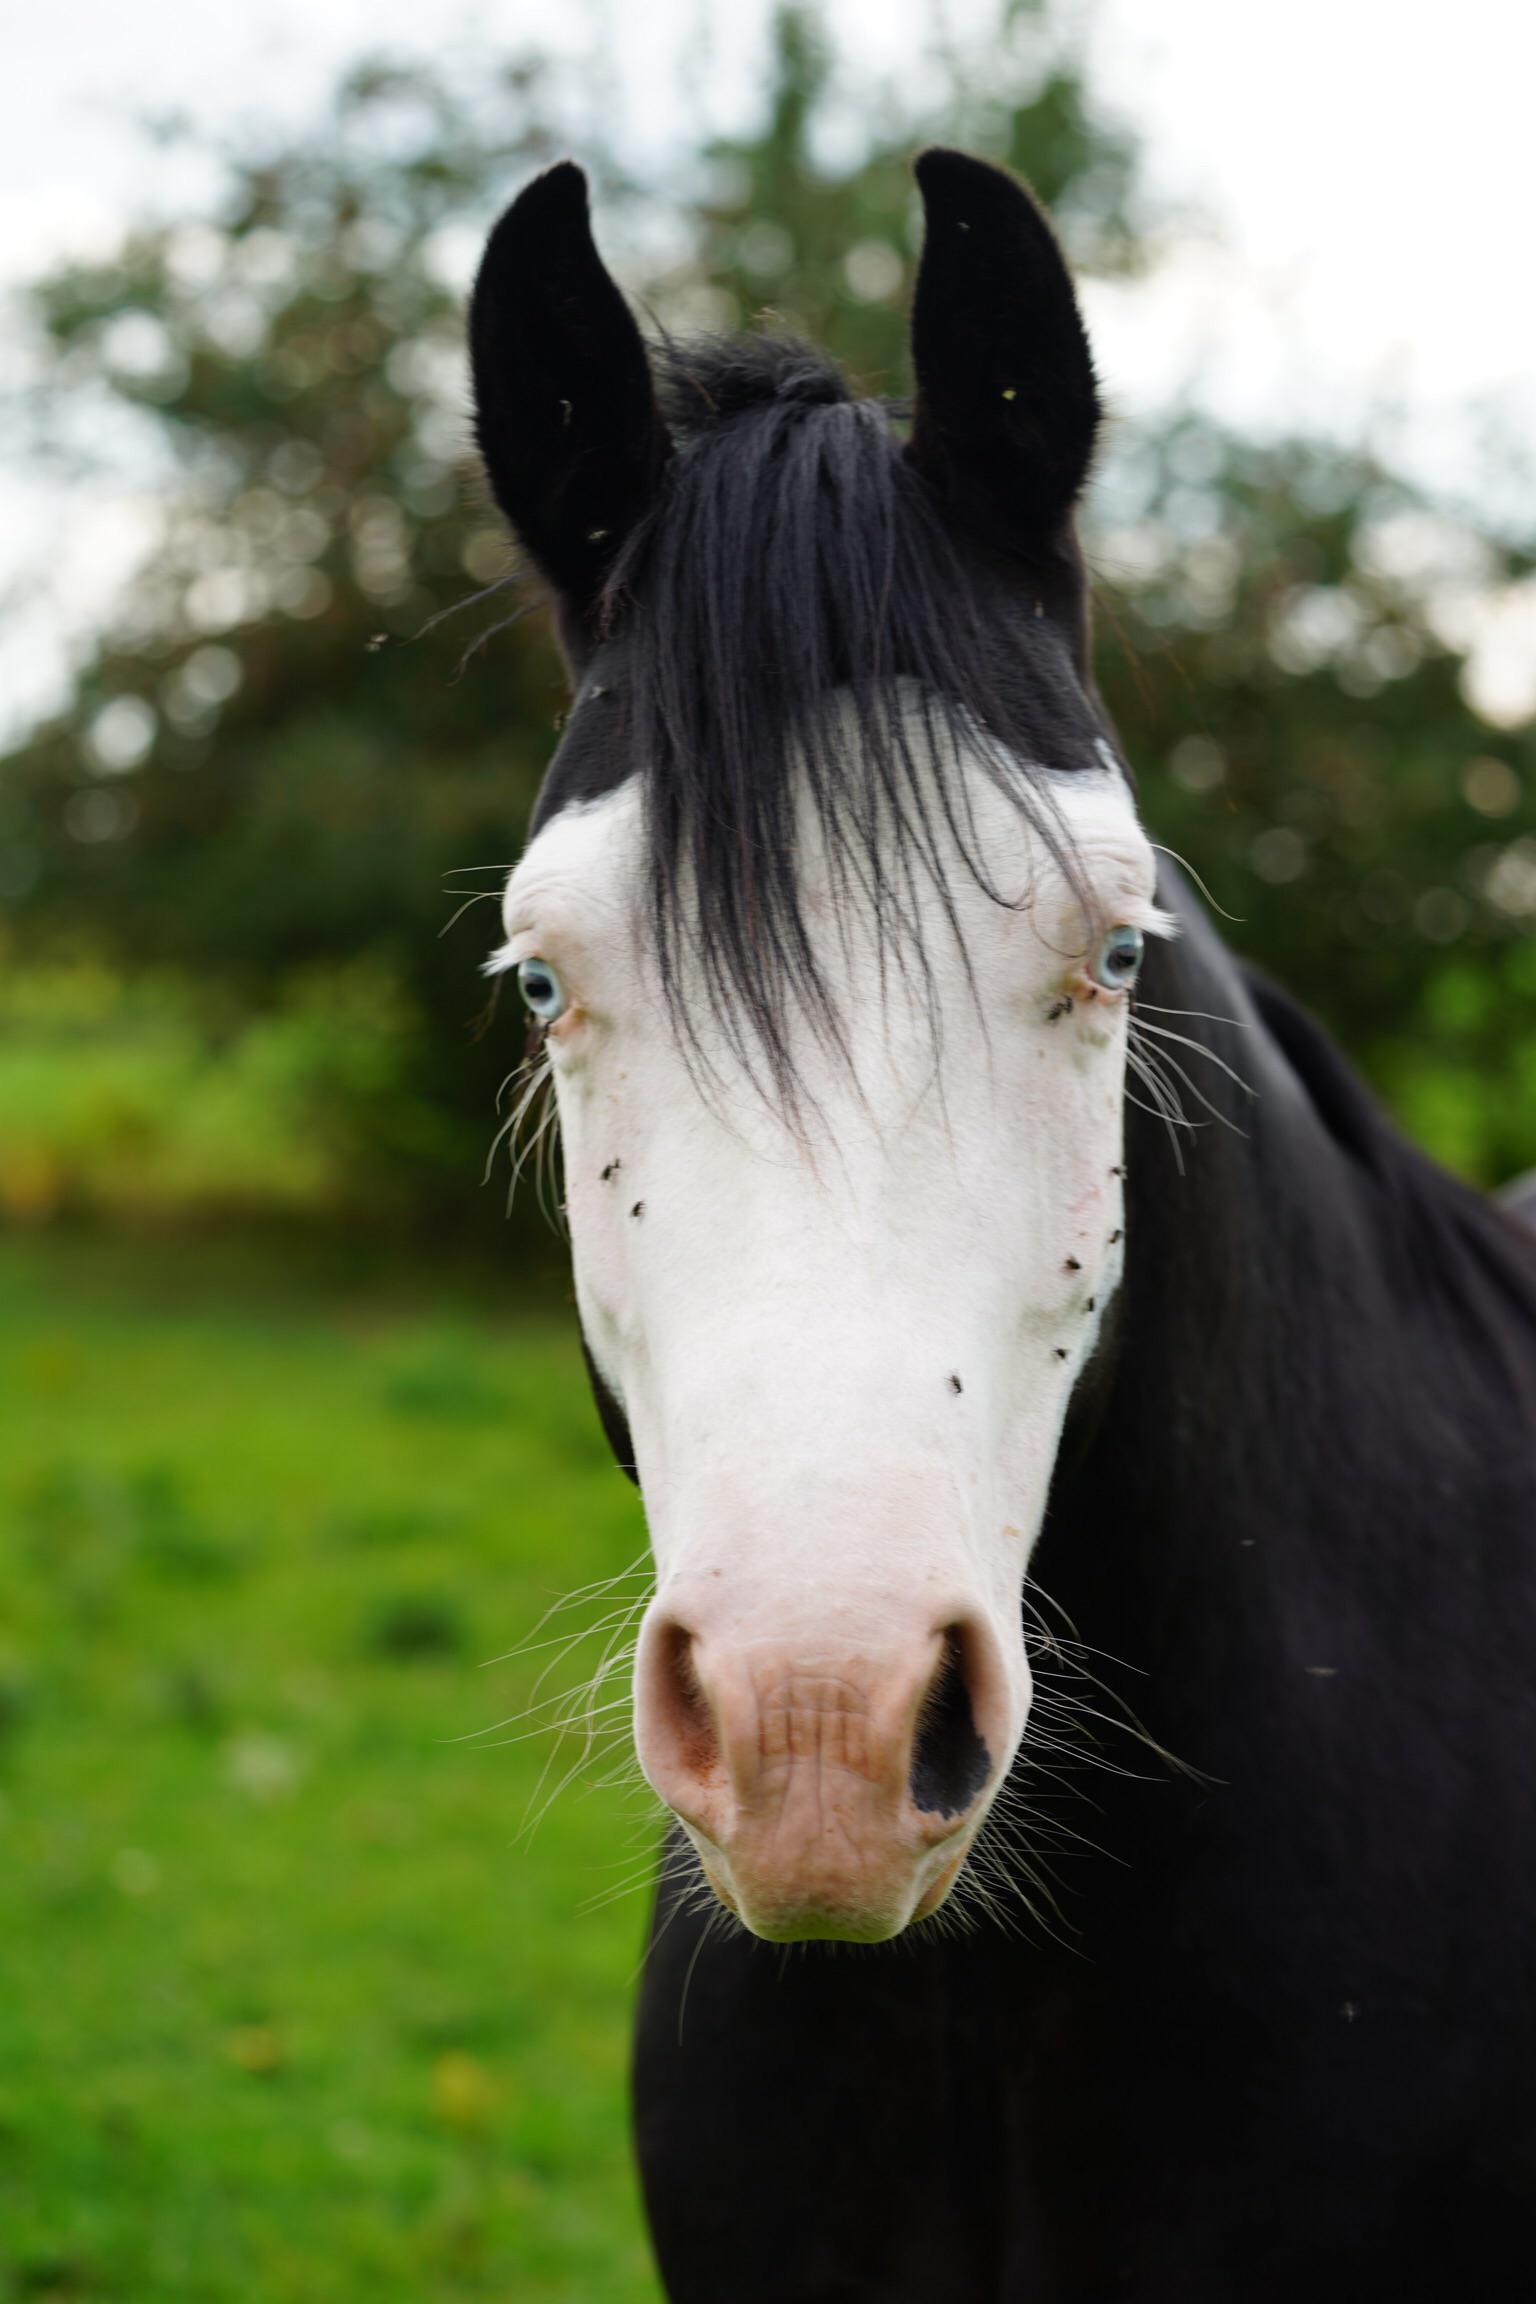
point(1117, 963)
point(543, 993)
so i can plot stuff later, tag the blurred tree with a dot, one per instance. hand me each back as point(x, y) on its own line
point(268, 767)
point(269, 770)
point(1283, 638)
point(785, 239)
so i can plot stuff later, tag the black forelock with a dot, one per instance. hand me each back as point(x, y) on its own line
point(708, 380)
point(793, 551)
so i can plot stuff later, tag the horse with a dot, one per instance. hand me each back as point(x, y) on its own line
point(1037, 1354)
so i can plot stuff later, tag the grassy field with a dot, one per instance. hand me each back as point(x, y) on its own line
point(287, 2010)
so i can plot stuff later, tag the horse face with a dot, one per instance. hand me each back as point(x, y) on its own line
point(843, 1346)
point(838, 1334)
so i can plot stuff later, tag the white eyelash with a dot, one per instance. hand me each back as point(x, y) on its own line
point(501, 962)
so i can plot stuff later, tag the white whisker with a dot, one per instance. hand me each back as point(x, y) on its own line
point(1172, 1064)
point(1162, 1032)
point(1198, 1015)
point(1185, 865)
point(480, 896)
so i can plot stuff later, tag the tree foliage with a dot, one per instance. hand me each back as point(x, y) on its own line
point(276, 765)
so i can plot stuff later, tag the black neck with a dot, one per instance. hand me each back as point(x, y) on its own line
point(1301, 1399)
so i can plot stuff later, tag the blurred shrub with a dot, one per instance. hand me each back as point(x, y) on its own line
point(443, 1376)
point(86, 1532)
point(409, 1626)
point(1285, 642)
point(139, 1096)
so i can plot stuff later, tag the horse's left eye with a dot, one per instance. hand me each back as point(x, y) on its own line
point(1117, 962)
point(542, 991)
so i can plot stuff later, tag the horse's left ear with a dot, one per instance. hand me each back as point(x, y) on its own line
point(565, 409)
point(1007, 407)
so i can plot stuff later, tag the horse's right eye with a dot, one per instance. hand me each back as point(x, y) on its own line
point(543, 994)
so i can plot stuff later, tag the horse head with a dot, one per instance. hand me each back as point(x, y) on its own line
point(829, 921)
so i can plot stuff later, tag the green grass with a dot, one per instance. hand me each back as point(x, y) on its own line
point(287, 2010)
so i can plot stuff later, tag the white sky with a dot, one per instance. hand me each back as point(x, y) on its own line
point(1353, 179)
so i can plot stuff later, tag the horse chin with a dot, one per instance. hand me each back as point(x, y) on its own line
point(937, 1891)
point(791, 1914)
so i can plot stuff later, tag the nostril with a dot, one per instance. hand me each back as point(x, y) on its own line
point(684, 1715)
point(950, 1762)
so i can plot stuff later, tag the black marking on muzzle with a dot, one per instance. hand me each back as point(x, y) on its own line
point(950, 1763)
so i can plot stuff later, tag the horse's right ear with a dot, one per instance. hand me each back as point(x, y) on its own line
point(565, 409)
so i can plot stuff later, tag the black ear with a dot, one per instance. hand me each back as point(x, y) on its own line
point(1007, 406)
point(565, 410)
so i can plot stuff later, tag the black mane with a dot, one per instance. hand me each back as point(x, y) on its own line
point(793, 550)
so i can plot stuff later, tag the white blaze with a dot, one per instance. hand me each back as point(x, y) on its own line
point(845, 1353)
